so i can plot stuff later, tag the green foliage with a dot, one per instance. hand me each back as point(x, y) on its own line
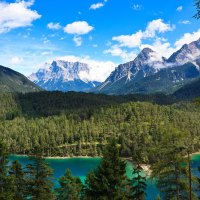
point(9, 108)
point(39, 179)
point(77, 124)
point(70, 188)
point(43, 104)
point(108, 181)
point(6, 184)
point(197, 4)
point(170, 169)
point(138, 184)
point(80, 127)
point(189, 91)
point(19, 183)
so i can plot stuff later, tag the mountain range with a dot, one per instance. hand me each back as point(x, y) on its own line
point(63, 76)
point(12, 81)
point(150, 73)
point(147, 73)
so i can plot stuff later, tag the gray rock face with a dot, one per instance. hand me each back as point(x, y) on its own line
point(63, 76)
point(148, 62)
point(188, 52)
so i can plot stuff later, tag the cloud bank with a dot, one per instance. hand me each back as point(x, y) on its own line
point(16, 15)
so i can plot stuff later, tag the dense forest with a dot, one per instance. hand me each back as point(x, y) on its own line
point(156, 130)
point(77, 124)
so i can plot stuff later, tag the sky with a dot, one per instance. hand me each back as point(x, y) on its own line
point(102, 33)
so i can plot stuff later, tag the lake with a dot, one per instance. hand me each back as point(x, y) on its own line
point(81, 166)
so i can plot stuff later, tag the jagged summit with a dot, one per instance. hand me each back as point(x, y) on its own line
point(64, 76)
point(147, 62)
point(188, 52)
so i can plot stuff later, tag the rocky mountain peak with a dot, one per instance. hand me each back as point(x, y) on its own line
point(149, 63)
point(63, 75)
point(187, 53)
point(148, 57)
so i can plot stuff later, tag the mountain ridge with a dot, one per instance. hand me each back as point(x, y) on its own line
point(63, 76)
point(12, 81)
point(129, 76)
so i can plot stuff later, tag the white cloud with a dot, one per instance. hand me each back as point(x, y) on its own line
point(54, 26)
point(136, 7)
point(96, 6)
point(185, 22)
point(15, 15)
point(46, 53)
point(78, 40)
point(161, 46)
point(16, 60)
point(130, 41)
point(115, 50)
point(187, 38)
point(135, 40)
point(99, 70)
point(180, 8)
point(78, 28)
point(157, 26)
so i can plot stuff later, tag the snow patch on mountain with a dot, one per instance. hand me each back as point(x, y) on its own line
point(64, 76)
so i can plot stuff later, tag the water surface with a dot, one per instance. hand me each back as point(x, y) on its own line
point(81, 166)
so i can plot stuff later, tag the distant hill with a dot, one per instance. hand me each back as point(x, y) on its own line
point(12, 81)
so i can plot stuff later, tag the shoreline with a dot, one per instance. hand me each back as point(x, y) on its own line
point(57, 157)
point(195, 153)
point(145, 167)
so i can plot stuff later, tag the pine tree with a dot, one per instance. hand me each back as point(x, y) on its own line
point(6, 182)
point(18, 177)
point(189, 144)
point(138, 184)
point(109, 180)
point(70, 187)
point(39, 179)
point(170, 171)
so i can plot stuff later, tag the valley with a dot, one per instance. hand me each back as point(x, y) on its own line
point(99, 100)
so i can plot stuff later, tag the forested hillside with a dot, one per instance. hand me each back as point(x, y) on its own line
point(75, 124)
point(12, 81)
point(189, 91)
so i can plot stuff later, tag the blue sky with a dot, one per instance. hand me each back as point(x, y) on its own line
point(103, 33)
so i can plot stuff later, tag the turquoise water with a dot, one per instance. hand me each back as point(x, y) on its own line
point(81, 166)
